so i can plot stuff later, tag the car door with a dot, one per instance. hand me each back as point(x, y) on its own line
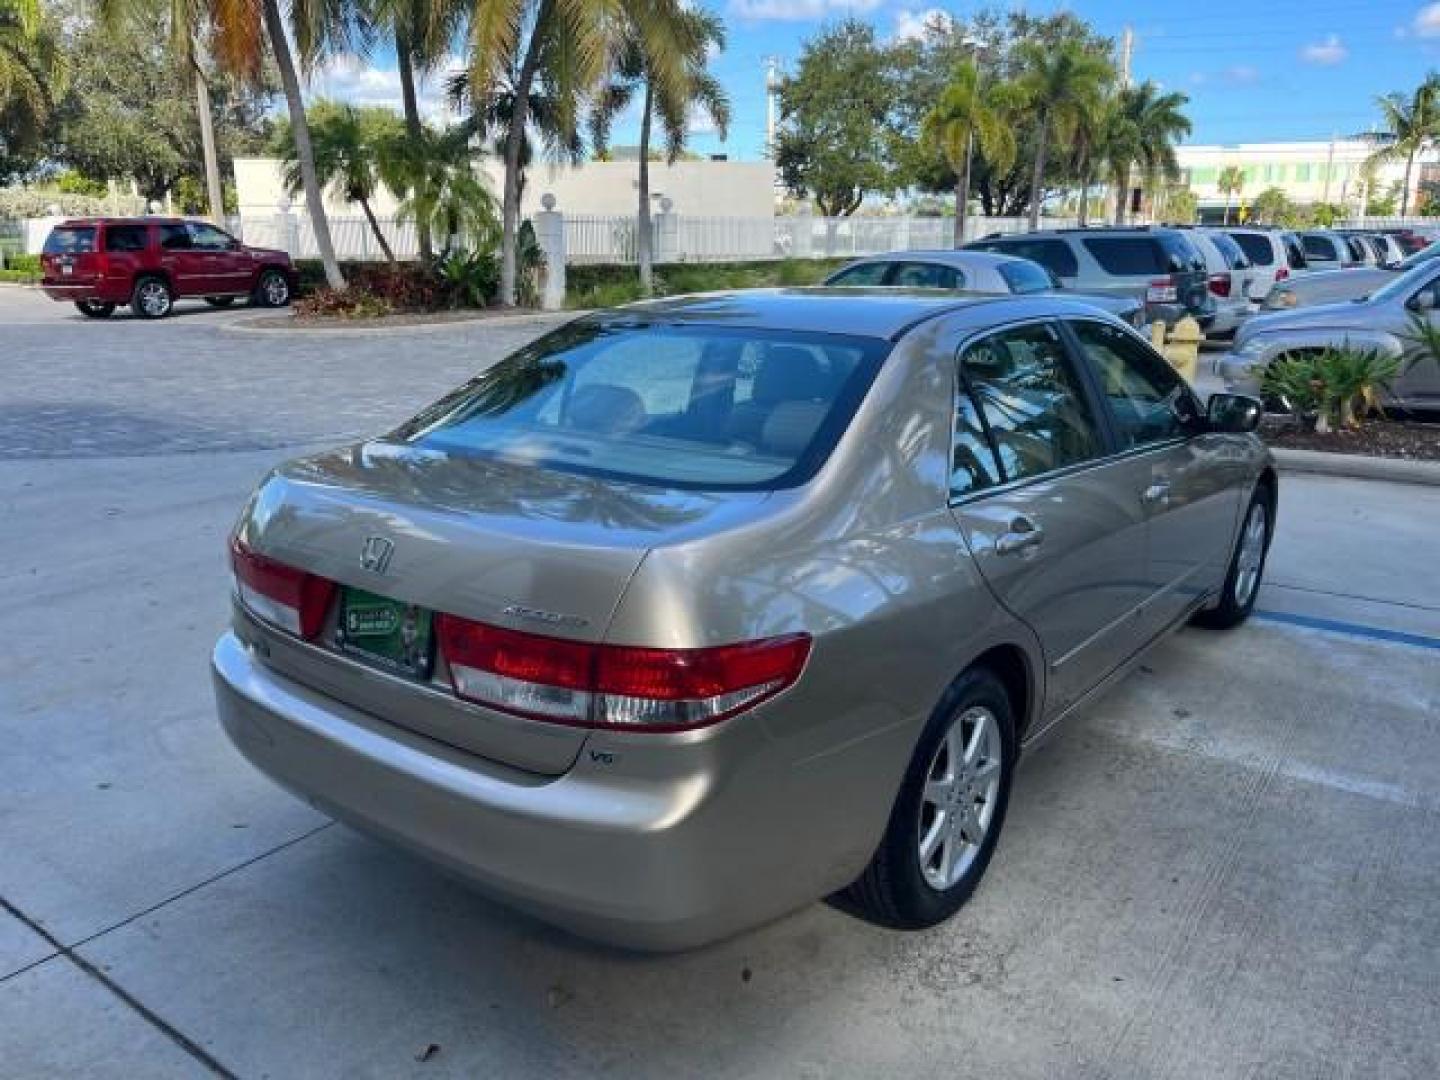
point(1186, 483)
point(1034, 491)
point(227, 269)
point(1418, 384)
point(187, 267)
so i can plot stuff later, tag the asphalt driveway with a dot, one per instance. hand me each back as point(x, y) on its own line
point(1230, 867)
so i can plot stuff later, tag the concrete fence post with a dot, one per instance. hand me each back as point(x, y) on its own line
point(287, 229)
point(550, 235)
point(667, 233)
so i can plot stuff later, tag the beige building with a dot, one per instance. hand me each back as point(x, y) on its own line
point(1308, 172)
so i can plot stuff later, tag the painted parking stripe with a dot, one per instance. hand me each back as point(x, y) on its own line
point(1336, 626)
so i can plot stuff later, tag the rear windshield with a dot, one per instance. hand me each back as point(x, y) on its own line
point(70, 240)
point(1318, 248)
point(1128, 256)
point(1257, 248)
point(1025, 277)
point(1054, 255)
point(1235, 256)
point(706, 407)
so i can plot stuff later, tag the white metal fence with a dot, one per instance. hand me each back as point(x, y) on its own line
point(611, 238)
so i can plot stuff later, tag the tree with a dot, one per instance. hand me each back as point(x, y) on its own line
point(349, 146)
point(441, 188)
point(1181, 205)
point(240, 33)
point(32, 70)
point(1061, 85)
point(1411, 125)
point(699, 92)
point(1231, 182)
point(1146, 122)
point(832, 139)
point(1272, 207)
point(965, 115)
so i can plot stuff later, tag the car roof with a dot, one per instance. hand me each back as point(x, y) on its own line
point(106, 219)
point(879, 313)
point(960, 257)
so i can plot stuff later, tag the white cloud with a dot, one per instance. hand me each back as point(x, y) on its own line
point(1242, 74)
point(352, 80)
point(1198, 78)
point(799, 10)
point(1427, 21)
point(1326, 53)
point(911, 25)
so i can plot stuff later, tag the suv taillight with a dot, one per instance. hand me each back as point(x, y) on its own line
point(1219, 284)
point(1282, 273)
point(1162, 291)
point(614, 686)
point(283, 596)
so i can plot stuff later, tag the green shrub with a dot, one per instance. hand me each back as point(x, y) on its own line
point(606, 284)
point(352, 303)
point(469, 279)
point(1329, 388)
point(26, 264)
point(18, 277)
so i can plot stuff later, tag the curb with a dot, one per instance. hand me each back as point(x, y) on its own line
point(258, 325)
point(1357, 466)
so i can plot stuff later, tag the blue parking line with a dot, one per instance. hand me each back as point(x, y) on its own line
point(1336, 626)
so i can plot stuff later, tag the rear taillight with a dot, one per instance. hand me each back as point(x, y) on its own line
point(1282, 273)
point(1219, 284)
point(1162, 291)
point(614, 686)
point(291, 599)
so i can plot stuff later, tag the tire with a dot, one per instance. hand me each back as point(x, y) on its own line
point(1247, 567)
point(152, 298)
point(905, 888)
point(219, 301)
point(95, 309)
point(272, 289)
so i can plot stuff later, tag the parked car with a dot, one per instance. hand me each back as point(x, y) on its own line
point(1388, 249)
point(1329, 286)
point(1328, 250)
point(690, 613)
point(1275, 254)
point(1228, 276)
point(1382, 321)
point(1157, 265)
point(99, 264)
point(976, 272)
point(1409, 240)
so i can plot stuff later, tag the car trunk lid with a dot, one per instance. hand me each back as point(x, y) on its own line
point(505, 544)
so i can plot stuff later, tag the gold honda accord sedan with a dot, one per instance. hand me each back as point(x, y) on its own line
point(692, 612)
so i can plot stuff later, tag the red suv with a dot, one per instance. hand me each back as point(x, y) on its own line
point(99, 264)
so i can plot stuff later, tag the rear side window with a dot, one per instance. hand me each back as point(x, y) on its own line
point(1128, 256)
point(125, 238)
point(1295, 254)
point(864, 274)
point(1034, 413)
point(1258, 249)
point(1025, 277)
point(1318, 248)
point(1054, 255)
point(689, 406)
point(914, 275)
point(1357, 249)
point(174, 236)
point(70, 240)
point(1235, 256)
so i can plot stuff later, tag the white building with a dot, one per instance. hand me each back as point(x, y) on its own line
point(1308, 172)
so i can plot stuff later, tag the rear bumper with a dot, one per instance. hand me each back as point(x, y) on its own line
point(654, 862)
point(88, 290)
point(1229, 316)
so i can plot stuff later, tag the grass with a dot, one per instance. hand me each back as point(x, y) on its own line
point(608, 285)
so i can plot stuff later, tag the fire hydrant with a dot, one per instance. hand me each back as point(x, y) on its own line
point(1183, 349)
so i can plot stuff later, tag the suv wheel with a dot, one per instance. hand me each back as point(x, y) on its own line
point(272, 290)
point(152, 298)
point(95, 309)
point(1247, 566)
point(947, 817)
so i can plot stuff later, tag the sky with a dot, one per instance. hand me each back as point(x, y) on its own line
point(1255, 70)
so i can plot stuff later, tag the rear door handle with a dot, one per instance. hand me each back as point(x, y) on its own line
point(1156, 494)
point(1024, 535)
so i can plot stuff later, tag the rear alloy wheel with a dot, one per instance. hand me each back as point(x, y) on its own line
point(272, 290)
point(947, 817)
point(152, 298)
point(95, 309)
point(1247, 567)
point(219, 301)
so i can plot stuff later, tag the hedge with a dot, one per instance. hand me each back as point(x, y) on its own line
point(606, 284)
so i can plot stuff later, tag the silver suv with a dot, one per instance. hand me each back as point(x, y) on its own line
point(1157, 265)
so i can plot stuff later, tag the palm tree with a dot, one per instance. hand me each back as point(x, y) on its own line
point(966, 115)
point(1061, 83)
point(569, 41)
point(1152, 121)
point(441, 188)
point(240, 33)
point(32, 71)
point(672, 105)
point(1411, 125)
point(1088, 152)
point(1230, 182)
point(348, 148)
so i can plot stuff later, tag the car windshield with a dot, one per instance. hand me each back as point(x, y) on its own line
point(1404, 284)
point(1424, 255)
point(688, 406)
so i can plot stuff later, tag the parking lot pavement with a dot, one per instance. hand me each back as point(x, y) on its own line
point(1229, 867)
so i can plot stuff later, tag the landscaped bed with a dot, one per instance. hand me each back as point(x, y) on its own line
point(1391, 438)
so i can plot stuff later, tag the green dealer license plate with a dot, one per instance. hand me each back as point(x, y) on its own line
point(391, 633)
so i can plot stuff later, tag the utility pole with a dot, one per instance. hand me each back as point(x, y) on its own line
point(772, 88)
point(1329, 168)
point(1127, 51)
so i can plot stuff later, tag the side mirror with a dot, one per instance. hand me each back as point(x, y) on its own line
point(1233, 413)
